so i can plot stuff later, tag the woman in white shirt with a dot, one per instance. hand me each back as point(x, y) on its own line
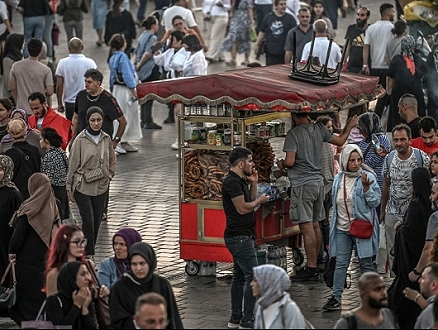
point(173, 59)
point(196, 63)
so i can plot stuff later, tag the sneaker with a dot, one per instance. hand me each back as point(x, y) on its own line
point(152, 126)
point(174, 145)
point(233, 323)
point(169, 120)
point(119, 149)
point(304, 275)
point(246, 325)
point(332, 305)
point(129, 148)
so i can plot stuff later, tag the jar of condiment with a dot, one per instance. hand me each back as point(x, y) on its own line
point(195, 134)
point(227, 136)
point(237, 139)
point(202, 134)
point(219, 139)
point(211, 137)
point(187, 110)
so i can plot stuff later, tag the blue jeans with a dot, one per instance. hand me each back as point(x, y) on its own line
point(47, 35)
point(33, 28)
point(344, 245)
point(242, 248)
point(141, 10)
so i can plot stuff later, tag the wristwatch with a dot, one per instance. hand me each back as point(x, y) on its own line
point(365, 66)
point(117, 138)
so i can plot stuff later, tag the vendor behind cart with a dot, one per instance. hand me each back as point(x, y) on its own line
point(239, 203)
point(303, 145)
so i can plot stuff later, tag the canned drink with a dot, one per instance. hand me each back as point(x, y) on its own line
point(237, 139)
point(195, 134)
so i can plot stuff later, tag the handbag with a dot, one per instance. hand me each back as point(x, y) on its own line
point(118, 78)
point(8, 295)
point(329, 274)
point(359, 228)
point(40, 321)
point(96, 173)
point(100, 303)
point(252, 34)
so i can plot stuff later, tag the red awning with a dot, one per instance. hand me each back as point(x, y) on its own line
point(266, 87)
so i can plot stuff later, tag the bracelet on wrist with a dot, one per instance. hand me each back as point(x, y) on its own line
point(416, 298)
point(416, 272)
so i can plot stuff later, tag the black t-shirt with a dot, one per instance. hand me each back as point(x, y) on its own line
point(106, 102)
point(237, 224)
point(413, 125)
point(3, 131)
point(276, 30)
point(357, 38)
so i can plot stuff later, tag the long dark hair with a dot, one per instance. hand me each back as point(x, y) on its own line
point(115, 12)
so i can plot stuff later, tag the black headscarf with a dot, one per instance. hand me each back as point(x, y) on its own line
point(67, 279)
point(148, 253)
point(90, 111)
point(13, 45)
point(421, 185)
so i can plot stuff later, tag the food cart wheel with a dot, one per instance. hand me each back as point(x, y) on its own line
point(298, 257)
point(192, 268)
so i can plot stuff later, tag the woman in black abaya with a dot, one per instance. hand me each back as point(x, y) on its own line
point(409, 241)
point(140, 279)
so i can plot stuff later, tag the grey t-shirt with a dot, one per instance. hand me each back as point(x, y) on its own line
point(432, 226)
point(388, 322)
point(307, 142)
point(426, 319)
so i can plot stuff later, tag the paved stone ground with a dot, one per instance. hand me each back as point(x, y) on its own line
point(144, 195)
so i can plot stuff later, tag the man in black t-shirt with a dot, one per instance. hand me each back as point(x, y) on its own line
point(95, 95)
point(356, 34)
point(239, 203)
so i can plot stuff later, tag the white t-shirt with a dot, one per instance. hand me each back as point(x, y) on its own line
point(320, 49)
point(195, 65)
point(185, 13)
point(3, 15)
point(72, 69)
point(378, 36)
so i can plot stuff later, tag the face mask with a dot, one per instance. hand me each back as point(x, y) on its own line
point(121, 9)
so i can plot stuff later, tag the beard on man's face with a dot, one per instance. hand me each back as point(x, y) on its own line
point(360, 23)
point(378, 303)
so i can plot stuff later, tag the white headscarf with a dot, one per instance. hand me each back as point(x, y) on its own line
point(345, 156)
point(273, 282)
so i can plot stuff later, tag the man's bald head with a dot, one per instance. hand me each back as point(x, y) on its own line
point(320, 26)
point(75, 45)
point(367, 278)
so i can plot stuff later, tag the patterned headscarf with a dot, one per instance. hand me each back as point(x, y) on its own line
point(7, 165)
point(407, 51)
point(369, 123)
point(8, 138)
point(273, 282)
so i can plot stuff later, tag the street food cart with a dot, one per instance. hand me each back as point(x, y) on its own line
point(245, 107)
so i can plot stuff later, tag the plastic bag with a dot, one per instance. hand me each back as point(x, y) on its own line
point(252, 34)
point(421, 11)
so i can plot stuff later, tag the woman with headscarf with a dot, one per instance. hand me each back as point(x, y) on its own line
point(10, 200)
point(141, 279)
point(407, 250)
point(274, 308)
point(355, 195)
point(26, 158)
point(405, 73)
point(72, 304)
point(92, 164)
point(112, 269)
point(12, 52)
point(35, 223)
point(32, 135)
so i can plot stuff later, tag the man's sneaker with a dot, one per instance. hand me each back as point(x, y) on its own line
point(152, 126)
point(246, 325)
point(119, 149)
point(304, 274)
point(332, 305)
point(174, 145)
point(233, 323)
point(129, 148)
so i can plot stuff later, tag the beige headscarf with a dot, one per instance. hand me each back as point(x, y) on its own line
point(345, 156)
point(40, 208)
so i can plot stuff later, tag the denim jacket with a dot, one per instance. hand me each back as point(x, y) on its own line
point(107, 274)
point(119, 62)
point(364, 207)
point(293, 318)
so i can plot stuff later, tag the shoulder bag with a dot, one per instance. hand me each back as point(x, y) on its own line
point(118, 79)
point(101, 303)
point(8, 295)
point(40, 321)
point(96, 173)
point(359, 228)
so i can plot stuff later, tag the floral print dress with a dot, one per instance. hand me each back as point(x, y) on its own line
point(238, 32)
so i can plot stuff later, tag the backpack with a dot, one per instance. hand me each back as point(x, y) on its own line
point(417, 154)
point(283, 316)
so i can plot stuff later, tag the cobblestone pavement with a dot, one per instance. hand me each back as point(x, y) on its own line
point(144, 195)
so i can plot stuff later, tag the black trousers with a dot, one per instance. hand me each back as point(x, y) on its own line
point(381, 73)
point(90, 210)
point(61, 195)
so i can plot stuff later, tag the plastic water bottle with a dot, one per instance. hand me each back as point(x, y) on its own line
point(376, 142)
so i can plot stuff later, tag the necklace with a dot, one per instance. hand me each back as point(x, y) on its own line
point(95, 99)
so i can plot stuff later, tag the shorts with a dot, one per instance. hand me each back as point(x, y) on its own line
point(307, 203)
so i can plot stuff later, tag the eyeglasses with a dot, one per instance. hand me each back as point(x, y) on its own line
point(80, 242)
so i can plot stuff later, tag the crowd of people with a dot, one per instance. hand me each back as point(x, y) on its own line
point(51, 157)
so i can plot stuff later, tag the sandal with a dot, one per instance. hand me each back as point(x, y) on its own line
point(231, 63)
point(99, 43)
